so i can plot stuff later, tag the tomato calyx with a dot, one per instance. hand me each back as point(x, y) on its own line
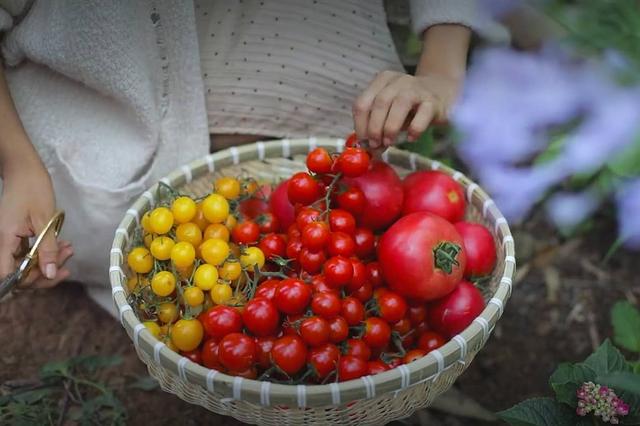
point(445, 256)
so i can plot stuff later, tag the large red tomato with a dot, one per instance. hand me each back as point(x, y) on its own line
point(281, 207)
point(454, 312)
point(434, 192)
point(257, 204)
point(382, 189)
point(422, 256)
point(479, 248)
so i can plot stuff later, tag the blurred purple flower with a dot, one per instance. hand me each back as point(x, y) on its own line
point(567, 210)
point(498, 8)
point(628, 204)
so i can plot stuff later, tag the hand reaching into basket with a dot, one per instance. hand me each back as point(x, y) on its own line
point(395, 101)
point(27, 202)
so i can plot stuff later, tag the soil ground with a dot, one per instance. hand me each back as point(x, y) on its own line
point(558, 312)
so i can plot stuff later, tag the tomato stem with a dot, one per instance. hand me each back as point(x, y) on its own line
point(445, 256)
point(329, 192)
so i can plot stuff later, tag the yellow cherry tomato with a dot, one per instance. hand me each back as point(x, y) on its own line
point(199, 218)
point(193, 296)
point(148, 239)
point(214, 251)
point(228, 187)
point(235, 250)
point(187, 334)
point(215, 208)
point(221, 293)
point(184, 209)
point(164, 331)
point(190, 233)
point(252, 256)
point(249, 187)
point(163, 283)
point(230, 270)
point(167, 313)
point(140, 260)
point(161, 247)
point(205, 277)
point(171, 345)
point(183, 254)
point(153, 328)
point(231, 222)
point(146, 222)
point(185, 272)
point(136, 282)
point(161, 220)
point(217, 230)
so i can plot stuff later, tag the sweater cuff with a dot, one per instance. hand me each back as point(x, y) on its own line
point(426, 13)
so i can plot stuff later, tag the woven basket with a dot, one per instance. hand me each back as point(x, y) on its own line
point(369, 400)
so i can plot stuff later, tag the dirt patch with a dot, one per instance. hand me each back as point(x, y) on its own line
point(557, 313)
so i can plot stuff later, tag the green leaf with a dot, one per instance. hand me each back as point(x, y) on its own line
point(626, 325)
point(627, 163)
point(95, 362)
point(145, 383)
point(539, 412)
point(607, 359)
point(554, 149)
point(566, 380)
point(622, 381)
point(636, 367)
point(55, 369)
point(31, 397)
point(423, 145)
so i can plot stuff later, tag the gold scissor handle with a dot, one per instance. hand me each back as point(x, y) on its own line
point(31, 257)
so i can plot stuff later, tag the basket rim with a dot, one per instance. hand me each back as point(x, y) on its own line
point(265, 393)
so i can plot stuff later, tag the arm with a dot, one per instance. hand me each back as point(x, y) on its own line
point(395, 101)
point(27, 202)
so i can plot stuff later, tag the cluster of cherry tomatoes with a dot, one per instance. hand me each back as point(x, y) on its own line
point(339, 272)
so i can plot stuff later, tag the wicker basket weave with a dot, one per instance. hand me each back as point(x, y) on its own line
point(369, 400)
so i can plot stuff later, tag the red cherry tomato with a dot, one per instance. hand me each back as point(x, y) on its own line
point(221, 320)
point(263, 351)
point(341, 244)
point(268, 223)
point(267, 289)
point(314, 331)
point(420, 328)
point(323, 360)
point(353, 162)
point(273, 245)
point(292, 296)
point(193, 355)
point(382, 189)
point(376, 367)
point(352, 311)
point(303, 189)
point(237, 351)
point(359, 277)
point(257, 204)
point(338, 271)
point(293, 231)
point(209, 355)
point(342, 221)
point(289, 354)
point(281, 207)
point(395, 362)
point(417, 314)
point(429, 341)
point(294, 247)
point(311, 261)
point(434, 192)
point(432, 266)
point(261, 317)
point(455, 311)
point(479, 248)
point(391, 306)
point(306, 216)
point(352, 140)
point(339, 330)
point(402, 327)
point(319, 284)
point(352, 200)
point(413, 355)
point(326, 305)
point(377, 332)
point(364, 293)
point(249, 373)
point(357, 348)
point(316, 235)
point(246, 232)
point(291, 324)
point(375, 274)
point(319, 161)
point(350, 367)
point(365, 242)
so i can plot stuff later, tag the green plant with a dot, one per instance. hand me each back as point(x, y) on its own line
point(603, 388)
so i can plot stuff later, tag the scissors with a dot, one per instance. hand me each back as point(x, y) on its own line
point(30, 255)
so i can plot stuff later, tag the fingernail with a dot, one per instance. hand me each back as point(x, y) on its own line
point(50, 271)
